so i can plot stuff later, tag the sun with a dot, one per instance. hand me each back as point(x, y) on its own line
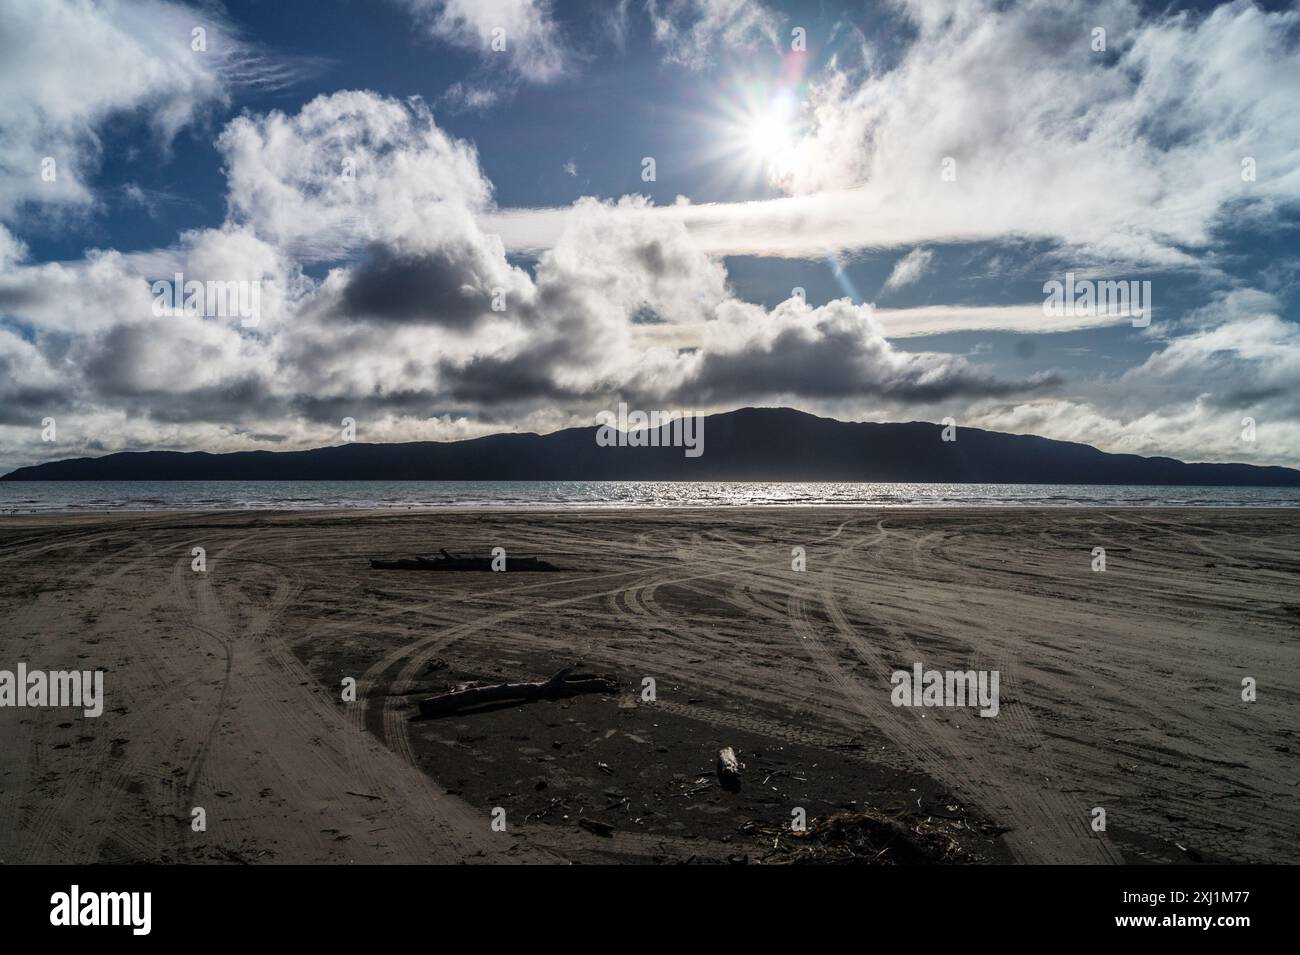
point(769, 135)
point(765, 131)
point(752, 136)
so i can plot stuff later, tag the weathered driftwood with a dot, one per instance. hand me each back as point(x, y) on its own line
point(563, 684)
point(596, 827)
point(729, 769)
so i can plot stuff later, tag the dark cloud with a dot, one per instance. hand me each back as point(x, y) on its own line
point(445, 287)
point(493, 381)
point(17, 297)
point(653, 257)
point(408, 402)
point(842, 364)
point(26, 406)
point(1247, 397)
point(245, 399)
point(117, 367)
point(25, 403)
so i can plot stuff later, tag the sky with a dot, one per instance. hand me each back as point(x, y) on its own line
point(450, 218)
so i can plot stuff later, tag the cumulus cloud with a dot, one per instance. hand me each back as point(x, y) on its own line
point(347, 170)
point(406, 326)
point(532, 46)
point(632, 259)
point(448, 287)
point(29, 382)
point(834, 351)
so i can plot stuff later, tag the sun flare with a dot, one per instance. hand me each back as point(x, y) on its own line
point(769, 136)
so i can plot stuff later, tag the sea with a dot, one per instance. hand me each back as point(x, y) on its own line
point(29, 497)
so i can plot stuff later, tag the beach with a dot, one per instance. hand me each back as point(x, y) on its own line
point(226, 685)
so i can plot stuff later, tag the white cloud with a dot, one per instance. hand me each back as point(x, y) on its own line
point(68, 67)
point(80, 296)
point(1247, 362)
point(1125, 159)
point(1193, 432)
point(616, 23)
point(695, 33)
point(1191, 397)
point(909, 269)
point(634, 260)
point(925, 320)
point(349, 169)
point(12, 250)
point(1050, 138)
point(471, 97)
point(1022, 319)
point(533, 48)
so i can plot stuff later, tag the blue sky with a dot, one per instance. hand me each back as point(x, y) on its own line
point(782, 160)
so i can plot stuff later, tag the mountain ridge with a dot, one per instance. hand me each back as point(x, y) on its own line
point(748, 444)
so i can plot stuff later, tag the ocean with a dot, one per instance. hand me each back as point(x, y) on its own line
point(26, 497)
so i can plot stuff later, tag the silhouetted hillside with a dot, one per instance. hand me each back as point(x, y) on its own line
point(752, 444)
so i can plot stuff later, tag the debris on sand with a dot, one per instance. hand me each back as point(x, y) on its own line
point(866, 837)
point(451, 562)
point(564, 684)
point(729, 769)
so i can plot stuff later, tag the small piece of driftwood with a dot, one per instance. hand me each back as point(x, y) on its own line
point(563, 684)
point(596, 827)
point(729, 769)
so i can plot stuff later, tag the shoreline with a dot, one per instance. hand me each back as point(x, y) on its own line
point(452, 497)
point(595, 509)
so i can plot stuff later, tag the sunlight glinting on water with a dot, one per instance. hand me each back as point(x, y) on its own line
point(54, 496)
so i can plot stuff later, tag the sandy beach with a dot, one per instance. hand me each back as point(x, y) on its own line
point(224, 688)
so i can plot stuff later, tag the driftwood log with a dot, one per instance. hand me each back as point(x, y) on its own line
point(563, 684)
point(729, 769)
